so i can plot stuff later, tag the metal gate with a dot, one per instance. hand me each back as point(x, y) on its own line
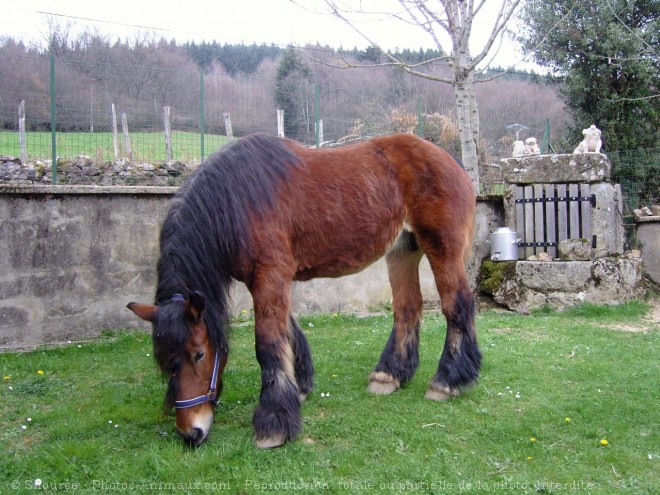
point(549, 213)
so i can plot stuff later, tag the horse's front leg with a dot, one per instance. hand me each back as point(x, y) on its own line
point(277, 417)
point(400, 358)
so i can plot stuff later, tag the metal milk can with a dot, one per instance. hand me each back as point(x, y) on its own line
point(504, 244)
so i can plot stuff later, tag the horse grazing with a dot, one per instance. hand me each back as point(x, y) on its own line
point(267, 211)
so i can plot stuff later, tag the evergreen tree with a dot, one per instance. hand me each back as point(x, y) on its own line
point(370, 54)
point(604, 54)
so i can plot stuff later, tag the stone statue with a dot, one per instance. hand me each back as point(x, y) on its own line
point(518, 149)
point(531, 147)
point(591, 142)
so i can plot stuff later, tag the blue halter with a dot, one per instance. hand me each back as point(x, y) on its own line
point(210, 396)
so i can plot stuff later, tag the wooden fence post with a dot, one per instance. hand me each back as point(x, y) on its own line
point(21, 131)
point(280, 123)
point(168, 134)
point(228, 129)
point(319, 133)
point(127, 140)
point(115, 144)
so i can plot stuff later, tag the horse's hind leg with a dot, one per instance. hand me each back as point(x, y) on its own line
point(303, 368)
point(461, 359)
point(400, 358)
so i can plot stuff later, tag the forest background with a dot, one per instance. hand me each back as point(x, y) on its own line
point(203, 82)
point(250, 82)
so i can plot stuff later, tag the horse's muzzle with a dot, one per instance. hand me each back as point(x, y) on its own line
point(194, 437)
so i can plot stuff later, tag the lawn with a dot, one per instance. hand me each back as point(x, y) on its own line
point(567, 403)
point(146, 146)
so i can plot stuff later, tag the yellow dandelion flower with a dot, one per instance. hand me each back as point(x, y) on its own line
point(6, 378)
point(568, 420)
point(532, 439)
point(244, 311)
point(529, 458)
point(40, 372)
point(335, 315)
point(604, 442)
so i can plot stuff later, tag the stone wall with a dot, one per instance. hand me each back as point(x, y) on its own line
point(581, 272)
point(591, 168)
point(83, 170)
point(72, 257)
point(523, 286)
point(648, 236)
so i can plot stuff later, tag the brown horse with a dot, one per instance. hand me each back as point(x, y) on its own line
point(267, 211)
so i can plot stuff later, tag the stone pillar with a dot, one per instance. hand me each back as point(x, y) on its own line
point(648, 235)
point(589, 168)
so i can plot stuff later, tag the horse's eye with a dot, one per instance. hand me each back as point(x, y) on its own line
point(199, 356)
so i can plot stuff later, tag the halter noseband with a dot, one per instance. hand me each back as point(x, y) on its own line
point(210, 396)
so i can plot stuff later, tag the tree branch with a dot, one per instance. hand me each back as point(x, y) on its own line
point(506, 11)
point(340, 62)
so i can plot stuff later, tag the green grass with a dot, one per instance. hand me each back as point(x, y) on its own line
point(146, 146)
point(538, 370)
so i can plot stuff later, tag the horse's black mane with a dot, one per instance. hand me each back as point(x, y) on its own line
point(207, 228)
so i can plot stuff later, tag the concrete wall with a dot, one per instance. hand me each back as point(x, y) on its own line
point(72, 257)
point(648, 235)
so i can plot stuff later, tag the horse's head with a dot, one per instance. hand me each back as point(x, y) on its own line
point(189, 359)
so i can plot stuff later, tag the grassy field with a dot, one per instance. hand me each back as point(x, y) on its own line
point(146, 146)
point(567, 403)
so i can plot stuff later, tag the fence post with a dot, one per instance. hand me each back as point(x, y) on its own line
point(168, 134)
point(319, 132)
point(128, 153)
point(545, 144)
point(21, 131)
point(280, 123)
point(317, 98)
point(115, 144)
point(53, 135)
point(91, 109)
point(228, 129)
point(202, 119)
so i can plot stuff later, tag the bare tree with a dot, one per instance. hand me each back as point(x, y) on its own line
point(449, 25)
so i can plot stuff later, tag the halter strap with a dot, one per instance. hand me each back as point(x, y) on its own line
point(210, 396)
point(178, 297)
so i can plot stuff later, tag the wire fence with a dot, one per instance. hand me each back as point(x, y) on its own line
point(69, 107)
point(69, 103)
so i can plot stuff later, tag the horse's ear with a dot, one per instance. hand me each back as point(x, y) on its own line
point(145, 311)
point(195, 306)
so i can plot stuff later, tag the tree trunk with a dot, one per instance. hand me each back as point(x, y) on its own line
point(468, 125)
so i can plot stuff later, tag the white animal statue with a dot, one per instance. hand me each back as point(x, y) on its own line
point(591, 142)
point(518, 149)
point(531, 147)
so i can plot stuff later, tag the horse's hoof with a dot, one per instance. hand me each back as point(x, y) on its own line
point(441, 392)
point(270, 442)
point(382, 383)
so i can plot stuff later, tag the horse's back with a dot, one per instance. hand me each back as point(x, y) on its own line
point(348, 208)
point(353, 202)
point(332, 212)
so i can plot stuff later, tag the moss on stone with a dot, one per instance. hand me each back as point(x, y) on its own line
point(493, 273)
